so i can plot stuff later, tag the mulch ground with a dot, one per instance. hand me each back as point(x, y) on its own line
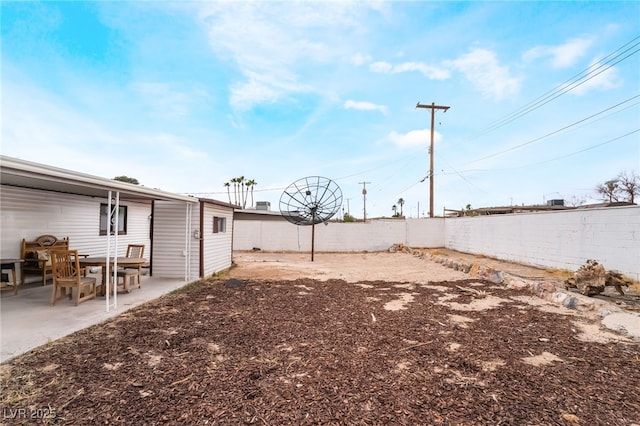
point(311, 352)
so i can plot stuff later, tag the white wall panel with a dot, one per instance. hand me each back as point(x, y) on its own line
point(216, 247)
point(28, 213)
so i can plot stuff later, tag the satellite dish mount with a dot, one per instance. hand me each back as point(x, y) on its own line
point(311, 200)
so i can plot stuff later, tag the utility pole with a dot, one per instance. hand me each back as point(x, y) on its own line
point(433, 108)
point(364, 198)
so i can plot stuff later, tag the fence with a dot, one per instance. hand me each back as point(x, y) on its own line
point(559, 239)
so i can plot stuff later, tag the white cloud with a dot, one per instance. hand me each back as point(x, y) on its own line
point(365, 106)
point(383, 67)
point(598, 79)
point(563, 55)
point(482, 69)
point(273, 44)
point(431, 72)
point(360, 59)
point(414, 138)
point(165, 100)
point(46, 128)
point(264, 89)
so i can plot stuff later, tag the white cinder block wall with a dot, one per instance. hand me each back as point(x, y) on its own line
point(376, 235)
point(560, 239)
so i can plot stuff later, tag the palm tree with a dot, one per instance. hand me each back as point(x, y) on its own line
point(235, 190)
point(401, 203)
point(394, 208)
point(243, 199)
point(228, 185)
point(250, 184)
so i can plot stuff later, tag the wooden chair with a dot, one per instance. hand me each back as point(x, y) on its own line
point(129, 274)
point(67, 275)
point(36, 256)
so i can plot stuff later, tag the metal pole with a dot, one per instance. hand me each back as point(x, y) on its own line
point(313, 237)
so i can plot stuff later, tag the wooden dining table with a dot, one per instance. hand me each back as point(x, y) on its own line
point(130, 262)
point(11, 265)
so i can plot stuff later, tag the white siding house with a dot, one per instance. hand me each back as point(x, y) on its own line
point(36, 199)
point(27, 213)
point(216, 236)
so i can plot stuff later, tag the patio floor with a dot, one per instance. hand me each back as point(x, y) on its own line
point(28, 320)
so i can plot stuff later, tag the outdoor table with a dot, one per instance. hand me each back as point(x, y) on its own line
point(11, 264)
point(102, 261)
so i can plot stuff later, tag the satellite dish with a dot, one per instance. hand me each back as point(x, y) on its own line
point(311, 200)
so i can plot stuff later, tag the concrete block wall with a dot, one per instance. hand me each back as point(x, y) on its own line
point(376, 235)
point(561, 239)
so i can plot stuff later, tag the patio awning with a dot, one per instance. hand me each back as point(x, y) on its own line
point(26, 174)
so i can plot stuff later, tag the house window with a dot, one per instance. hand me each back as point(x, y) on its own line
point(219, 224)
point(122, 220)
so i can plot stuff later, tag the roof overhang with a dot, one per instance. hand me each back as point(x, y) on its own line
point(25, 174)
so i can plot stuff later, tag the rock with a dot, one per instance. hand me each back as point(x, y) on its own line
point(517, 284)
point(591, 279)
point(545, 287)
point(559, 297)
point(235, 283)
point(496, 277)
point(570, 302)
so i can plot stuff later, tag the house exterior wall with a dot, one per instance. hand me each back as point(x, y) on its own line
point(216, 246)
point(562, 239)
point(174, 252)
point(29, 213)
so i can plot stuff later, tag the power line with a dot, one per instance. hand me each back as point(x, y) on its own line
point(551, 133)
point(570, 84)
point(471, 184)
point(551, 159)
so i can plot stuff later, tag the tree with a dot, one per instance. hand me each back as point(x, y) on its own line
point(243, 200)
point(348, 218)
point(234, 181)
point(228, 186)
point(608, 190)
point(241, 188)
point(395, 209)
point(576, 201)
point(628, 185)
point(401, 203)
point(250, 184)
point(127, 179)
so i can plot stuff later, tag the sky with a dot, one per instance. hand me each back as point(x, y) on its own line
point(543, 97)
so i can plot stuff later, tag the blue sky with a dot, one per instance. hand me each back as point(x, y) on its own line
point(183, 96)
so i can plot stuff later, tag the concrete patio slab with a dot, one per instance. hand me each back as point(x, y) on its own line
point(28, 320)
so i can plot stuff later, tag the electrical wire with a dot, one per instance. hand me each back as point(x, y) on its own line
point(538, 139)
point(546, 161)
point(570, 84)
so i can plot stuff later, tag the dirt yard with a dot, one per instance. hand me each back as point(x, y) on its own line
point(356, 339)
